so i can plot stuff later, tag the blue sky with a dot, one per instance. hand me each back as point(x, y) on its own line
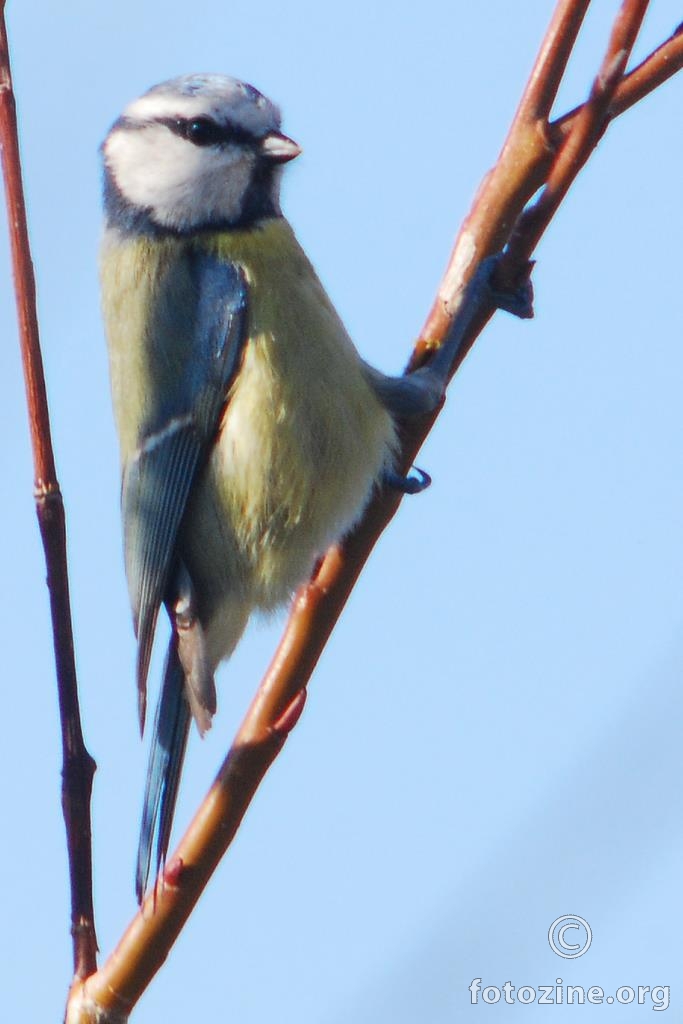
point(493, 736)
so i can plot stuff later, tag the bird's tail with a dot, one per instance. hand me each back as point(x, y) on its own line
point(171, 727)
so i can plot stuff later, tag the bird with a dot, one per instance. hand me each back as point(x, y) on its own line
point(252, 434)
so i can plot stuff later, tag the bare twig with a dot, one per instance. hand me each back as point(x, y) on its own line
point(551, 64)
point(525, 159)
point(78, 767)
point(534, 152)
point(590, 122)
point(652, 72)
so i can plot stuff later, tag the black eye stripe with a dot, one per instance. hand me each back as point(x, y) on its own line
point(204, 131)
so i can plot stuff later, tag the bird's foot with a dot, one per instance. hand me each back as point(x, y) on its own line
point(413, 482)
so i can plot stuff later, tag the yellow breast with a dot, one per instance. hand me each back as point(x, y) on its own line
point(304, 436)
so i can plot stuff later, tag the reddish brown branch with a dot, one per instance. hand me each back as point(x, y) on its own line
point(529, 158)
point(551, 63)
point(525, 159)
point(77, 767)
point(652, 72)
point(273, 713)
point(523, 166)
point(587, 127)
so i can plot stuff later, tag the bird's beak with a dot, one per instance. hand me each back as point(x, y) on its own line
point(279, 148)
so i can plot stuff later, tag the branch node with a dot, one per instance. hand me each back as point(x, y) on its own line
point(612, 71)
point(45, 491)
point(174, 873)
point(290, 716)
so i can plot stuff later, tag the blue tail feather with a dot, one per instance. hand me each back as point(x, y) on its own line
point(171, 727)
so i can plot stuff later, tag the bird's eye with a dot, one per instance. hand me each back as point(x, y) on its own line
point(202, 131)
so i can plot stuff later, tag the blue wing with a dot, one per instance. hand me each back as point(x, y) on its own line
point(156, 487)
point(158, 479)
point(157, 484)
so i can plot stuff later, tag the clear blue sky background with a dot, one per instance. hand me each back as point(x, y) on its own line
point(493, 737)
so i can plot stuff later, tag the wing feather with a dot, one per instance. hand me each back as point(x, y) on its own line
point(203, 305)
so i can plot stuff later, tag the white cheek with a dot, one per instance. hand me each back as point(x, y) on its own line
point(182, 184)
point(142, 163)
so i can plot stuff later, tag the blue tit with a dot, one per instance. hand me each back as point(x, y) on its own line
point(251, 432)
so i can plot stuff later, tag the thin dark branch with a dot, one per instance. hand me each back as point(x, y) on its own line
point(78, 767)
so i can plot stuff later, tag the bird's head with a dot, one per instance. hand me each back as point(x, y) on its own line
point(195, 153)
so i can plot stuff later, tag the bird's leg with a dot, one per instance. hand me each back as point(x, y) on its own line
point(422, 391)
point(200, 689)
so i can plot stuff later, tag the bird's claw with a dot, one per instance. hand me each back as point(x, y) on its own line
point(413, 482)
point(516, 297)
